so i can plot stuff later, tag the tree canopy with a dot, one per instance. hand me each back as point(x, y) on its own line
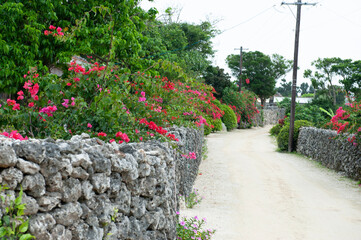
point(262, 71)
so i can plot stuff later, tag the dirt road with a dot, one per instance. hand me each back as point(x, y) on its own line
point(252, 192)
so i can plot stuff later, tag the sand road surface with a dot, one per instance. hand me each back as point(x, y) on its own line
point(252, 192)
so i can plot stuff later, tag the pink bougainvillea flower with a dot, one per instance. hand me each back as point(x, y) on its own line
point(89, 125)
point(36, 97)
point(51, 27)
point(102, 134)
point(111, 140)
point(16, 106)
point(68, 84)
point(30, 105)
point(247, 81)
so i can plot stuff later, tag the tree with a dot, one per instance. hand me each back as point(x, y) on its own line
point(323, 78)
point(23, 43)
point(350, 72)
point(304, 88)
point(285, 89)
point(188, 45)
point(262, 71)
point(217, 78)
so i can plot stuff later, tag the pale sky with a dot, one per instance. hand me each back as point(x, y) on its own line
point(332, 28)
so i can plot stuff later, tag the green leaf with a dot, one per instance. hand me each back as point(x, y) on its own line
point(2, 231)
point(26, 237)
point(24, 227)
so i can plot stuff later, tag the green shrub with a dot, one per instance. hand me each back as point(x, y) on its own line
point(207, 129)
point(229, 118)
point(282, 138)
point(275, 130)
point(217, 123)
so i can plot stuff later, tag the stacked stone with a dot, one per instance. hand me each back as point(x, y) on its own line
point(87, 189)
point(337, 154)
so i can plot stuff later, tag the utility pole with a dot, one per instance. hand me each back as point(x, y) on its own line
point(295, 66)
point(240, 67)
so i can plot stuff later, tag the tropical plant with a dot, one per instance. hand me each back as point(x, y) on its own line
point(283, 136)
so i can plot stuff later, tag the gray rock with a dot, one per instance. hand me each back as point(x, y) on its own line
point(95, 233)
point(49, 201)
point(138, 207)
point(68, 214)
point(53, 166)
point(40, 224)
point(52, 150)
point(61, 233)
point(27, 167)
point(7, 157)
point(71, 190)
point(55, 183)
point(101, 182)
point(31, 205)
point(80, 231)
point(124, 228)
point(30, 150)
point(100, 163)
point(80, 173)
point(81, 159)
point(34, 184)
point(11, 177)
point(144, 170)
point(123, 199)
point(87, 189)
point(69, 147)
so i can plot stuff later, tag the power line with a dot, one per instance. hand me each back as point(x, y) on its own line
point(251, 18)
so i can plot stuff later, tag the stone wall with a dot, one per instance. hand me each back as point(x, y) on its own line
point(271, 115)
point(87, 189)
point(337, 154)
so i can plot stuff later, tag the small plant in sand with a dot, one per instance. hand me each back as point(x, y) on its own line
point(191, 228)
point(192, 199)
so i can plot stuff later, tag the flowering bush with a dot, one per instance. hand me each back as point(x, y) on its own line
point(106, 103)
point(243, 104)
point(191, 228)
point(347, 120)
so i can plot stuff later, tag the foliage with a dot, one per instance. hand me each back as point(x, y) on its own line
point(217, 78)
point(188, 45)
point(191, 228)
point(282, 138)
point(285, 89)
point(261, 70)
point(308, 95)
point(322, 79)
point(346, 121)
point(243, 104)
point(13, 213)
point(217, 125)
point(304, 88)
point(229, 118)
point(309, 111)
point(275, 130)
point(23, 43)
point(107, 104)
point(192, 199)
point(350, 72)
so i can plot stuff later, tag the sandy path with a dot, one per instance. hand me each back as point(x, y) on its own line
point(252, 192)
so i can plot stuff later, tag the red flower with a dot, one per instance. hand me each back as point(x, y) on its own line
point(102, 134)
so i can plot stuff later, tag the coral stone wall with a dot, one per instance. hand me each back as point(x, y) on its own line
point(337, 154)
point(87, 189)
point(271, 115)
